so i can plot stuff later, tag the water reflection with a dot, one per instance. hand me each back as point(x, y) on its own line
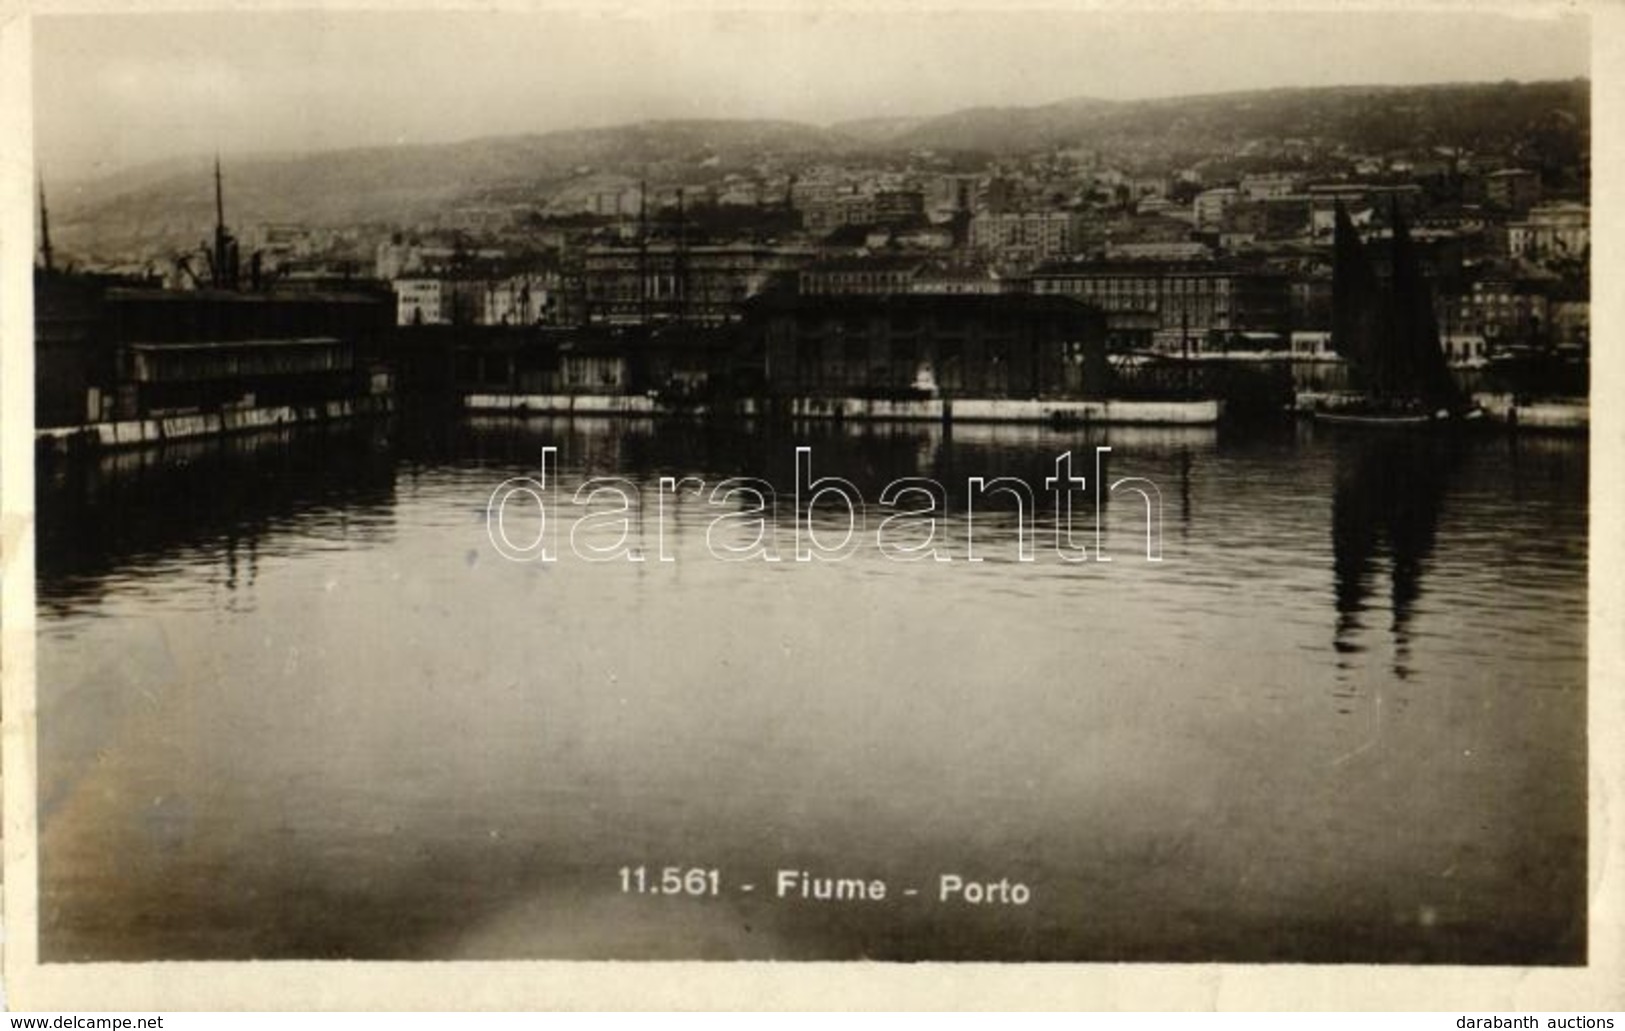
point(127, 513)
point(1390, 489)
point(1013, 463)
point(292, 705)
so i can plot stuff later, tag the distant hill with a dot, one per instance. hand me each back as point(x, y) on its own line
point(171, 204)
point(174, 201)
point(877, 130)
point(1365, 118)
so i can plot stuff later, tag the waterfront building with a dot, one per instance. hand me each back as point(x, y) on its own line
point(1195, 305)
point(106, 351)
point(678, 362)
point(963, 345)
point(1507, 311)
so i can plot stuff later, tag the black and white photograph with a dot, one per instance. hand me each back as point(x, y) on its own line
point(976, 485)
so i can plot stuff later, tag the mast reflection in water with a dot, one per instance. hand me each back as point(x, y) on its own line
point(1390, 489)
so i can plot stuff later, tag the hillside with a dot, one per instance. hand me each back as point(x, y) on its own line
point(410, 183)
point(1484, 117)
point(171, 205)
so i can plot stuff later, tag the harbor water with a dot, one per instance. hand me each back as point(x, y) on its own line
point(293, 703)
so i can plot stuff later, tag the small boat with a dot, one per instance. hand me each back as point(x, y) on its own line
point(1357, 417)
point(1384, 327)
point(1399, 418)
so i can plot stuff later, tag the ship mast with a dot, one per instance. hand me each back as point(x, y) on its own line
point(219, 262)
point(219, 202)
point(45, 230)
point(224, 256)
point(643, 252)
point(680, 264)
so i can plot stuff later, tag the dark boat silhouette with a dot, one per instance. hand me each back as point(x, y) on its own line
point(1385, 329)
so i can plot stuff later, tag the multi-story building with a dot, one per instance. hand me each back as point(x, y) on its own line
point(875, 274)
point(1210, 205)
point(745, 193)
point(521, 300)
point(959, 279)
point(1512, 189)
point(1198, 305)
point(996, 196)
point(1148, 186)
point(397, 258)
point(1030, 236)
point(1569, 320)
point(961, 346)
point(1286, 217)
point(851, 209)
point(1158, 250)
point(1505, 311)
point(895, 207)
point(1362, 200)
point(1551, 232)
point(1245, 219)
point(876, 208)
point(279, 244)
point(811, 191)
point(1309, 300)
point(1162, 207)
point(107, 352)
point(924, 238)
point(1465, 350)
point(704, 285)
point(950, 192)
point(516, 300)
point(614, 203)
point(418, 302)
point(1268, 186)
point(1313, 345)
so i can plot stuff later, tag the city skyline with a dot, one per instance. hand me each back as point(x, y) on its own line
point(330, 81)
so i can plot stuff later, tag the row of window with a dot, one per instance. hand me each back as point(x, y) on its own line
point(1133, 285)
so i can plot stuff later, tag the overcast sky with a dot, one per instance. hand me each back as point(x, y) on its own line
point(111, 91)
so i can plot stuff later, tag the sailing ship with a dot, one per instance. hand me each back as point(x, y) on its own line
point(1384, 327)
